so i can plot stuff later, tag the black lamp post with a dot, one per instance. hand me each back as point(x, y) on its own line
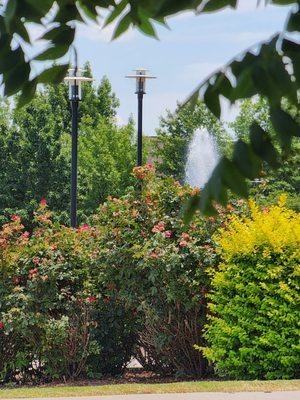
point(140, 76)
point(74, 79)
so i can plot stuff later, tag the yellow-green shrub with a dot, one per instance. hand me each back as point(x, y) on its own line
point(253, 329)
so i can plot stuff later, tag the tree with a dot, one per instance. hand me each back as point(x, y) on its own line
point(175, 133)
point(286, 177)
point(264, 72)
point(106, 160)
point(35, 151)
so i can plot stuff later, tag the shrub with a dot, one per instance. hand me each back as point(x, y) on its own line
point(155, 266)
point(253, 330)
point(45, 307)
point(115, 334)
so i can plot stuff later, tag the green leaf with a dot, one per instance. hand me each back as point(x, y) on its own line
point(245, 159)
point(5, 40)
point(62, 35)
point(27, 94)
point(42, 6)
point(190, 208)
point(122, 27)
point(68, 13)
point(116, 12)
point(147, 28)
point(285, 126)
point(206, 206)
point(53, 53)
point(232, 177)
point(16, 78)
point(222, 85)
point(10, 11)
point(283, 2)
point(217, 189)
point(292, 50)
point(262, 145)
point(14, 58)
point(213, 5)
point(20, 29)
point(211, 99)
point(89, 8)
point(26, 10)
point(54, 74)
point(164, 8)
point(293, 24)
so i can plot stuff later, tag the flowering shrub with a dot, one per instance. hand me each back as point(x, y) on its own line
point(154, 265)
point(253, 329)
point(45, 300)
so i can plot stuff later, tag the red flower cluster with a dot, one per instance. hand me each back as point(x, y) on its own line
point(43, 202)
point(84, 227)
point(160, 227)
point(33, 272)
point(15, 218)
point(185, 238)
point(92, 299)
point(142, 172)
point(1, 325)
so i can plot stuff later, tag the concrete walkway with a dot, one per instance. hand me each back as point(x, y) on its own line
point(194, 396)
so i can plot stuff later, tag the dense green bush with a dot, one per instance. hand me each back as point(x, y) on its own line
point(54, 324)
point(253, 330)
point(45, 300)
point(156, 267)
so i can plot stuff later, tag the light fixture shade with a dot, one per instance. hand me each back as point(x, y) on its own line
point(141, 77)
point(75, 79)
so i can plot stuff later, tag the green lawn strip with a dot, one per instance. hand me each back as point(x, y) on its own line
point(135, 388)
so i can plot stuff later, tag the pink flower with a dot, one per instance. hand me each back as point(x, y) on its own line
point(25, 235)
point(1, 325)
point(150, 167)
point(185, 236)
point(43, 202)
point(160, 227)
point(36, 260)
point(168, 234)
point(15, 218)
point(84, 227)
point(154, 255)
point(183, 243)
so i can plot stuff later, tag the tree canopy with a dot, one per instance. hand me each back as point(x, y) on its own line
point(35, 144)
point(272, 70)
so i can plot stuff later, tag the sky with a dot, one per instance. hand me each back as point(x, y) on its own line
point(184, 55)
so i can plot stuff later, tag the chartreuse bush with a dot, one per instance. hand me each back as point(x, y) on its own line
point(253, 330)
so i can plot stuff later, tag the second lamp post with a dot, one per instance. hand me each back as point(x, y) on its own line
point(74, 79)
point(140, 76)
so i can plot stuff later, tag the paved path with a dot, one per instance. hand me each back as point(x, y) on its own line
point(193, 396)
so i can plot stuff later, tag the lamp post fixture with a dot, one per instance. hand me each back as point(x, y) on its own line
point(140, 76)
point(74, 80)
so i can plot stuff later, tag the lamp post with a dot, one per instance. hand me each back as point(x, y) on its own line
point(140, 76)
point(74, 80)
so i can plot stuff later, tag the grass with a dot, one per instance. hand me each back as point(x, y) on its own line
point(136, 388)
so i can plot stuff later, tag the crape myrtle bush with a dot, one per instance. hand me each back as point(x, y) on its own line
point(45, 300)
point(53, 322)
point(156, 267)
point(253, 330)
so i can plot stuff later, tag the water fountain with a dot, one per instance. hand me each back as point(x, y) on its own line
point(202, 157)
